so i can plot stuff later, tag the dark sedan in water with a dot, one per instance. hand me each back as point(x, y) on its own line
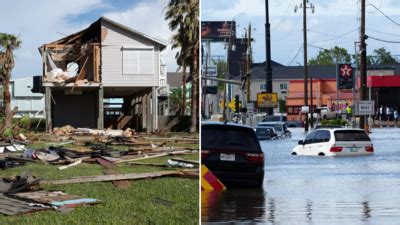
point(233, 153)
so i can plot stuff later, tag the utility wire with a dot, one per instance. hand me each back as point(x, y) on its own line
point(337, 37)
point(388, 17)
point(377, 39)
point(383, 32)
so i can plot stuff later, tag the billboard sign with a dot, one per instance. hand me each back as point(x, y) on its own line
point(345, 78)
point(267, 100)
point(218, 30)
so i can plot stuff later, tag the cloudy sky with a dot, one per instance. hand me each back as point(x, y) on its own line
point(43, 21)
point(335, 22)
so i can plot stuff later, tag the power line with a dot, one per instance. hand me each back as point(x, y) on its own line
point(377, 39)
point(388, 17)
point(284, 17)
point(383, 32)
point(337, 37)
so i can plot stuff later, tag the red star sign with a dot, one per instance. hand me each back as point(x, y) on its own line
point(346, 70)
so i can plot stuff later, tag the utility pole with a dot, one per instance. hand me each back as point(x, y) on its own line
point(268, 69)
point(304, 6)
point(225, 118)
point(248, 64)
point(363, 62)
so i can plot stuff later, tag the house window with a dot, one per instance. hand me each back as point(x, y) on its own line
point(262, 87)
point(283, 86)
point(137, 61)
point(162, 82)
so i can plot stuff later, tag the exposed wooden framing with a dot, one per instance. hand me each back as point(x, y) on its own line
point(82, 73)
point(56, 45)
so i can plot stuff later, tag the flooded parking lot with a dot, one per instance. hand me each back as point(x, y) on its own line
point(317, 190)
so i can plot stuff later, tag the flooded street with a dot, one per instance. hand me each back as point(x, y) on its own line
point(317, 190)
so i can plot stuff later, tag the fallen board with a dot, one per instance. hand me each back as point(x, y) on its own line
point(11, 207)
point(129, 176)
point(185, 161)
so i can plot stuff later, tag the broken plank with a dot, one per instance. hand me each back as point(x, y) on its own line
point(70, 165)
point(118, 183)
point(148, 164)
point(105, 163)
point(185, 161)
point(141, 158)
point(153, 156)
point(129, 176)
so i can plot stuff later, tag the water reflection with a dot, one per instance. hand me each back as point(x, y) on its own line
point(233, 205)
point(316, 190)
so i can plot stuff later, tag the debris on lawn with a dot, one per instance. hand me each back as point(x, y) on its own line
point(163, 202)
point(180, 164)
point(22, 194)
point(115, 177)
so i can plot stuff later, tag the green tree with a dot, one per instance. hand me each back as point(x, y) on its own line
point(381, 56)
point(183, 17)
point(329, 57)
point(175, 100)
point(8, 43)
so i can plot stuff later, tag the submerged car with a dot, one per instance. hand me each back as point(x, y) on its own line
point(279, 127)
point(233, 153)
point(335, 142)
point(266, 133)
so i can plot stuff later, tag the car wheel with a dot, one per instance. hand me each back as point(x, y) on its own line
point(294, 153)
point(321, 154)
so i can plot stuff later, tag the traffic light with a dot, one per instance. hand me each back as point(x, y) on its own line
point(237, 106)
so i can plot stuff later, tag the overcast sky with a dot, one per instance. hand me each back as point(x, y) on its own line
point(335, 22)
point(42, 21)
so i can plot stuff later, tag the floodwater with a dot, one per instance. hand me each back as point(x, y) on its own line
point(317, 190)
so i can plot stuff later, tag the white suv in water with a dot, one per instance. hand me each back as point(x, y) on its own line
point(335, 142)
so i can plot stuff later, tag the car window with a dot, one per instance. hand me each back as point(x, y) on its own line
point(322, 136)
point(229, 138)
point(310, 138)
point(351, 135)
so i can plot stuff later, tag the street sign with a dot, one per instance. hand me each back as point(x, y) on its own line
point(365, 108)
point(345, 76)
point(267, 100)
point(250, 107)
point(211, 71)
point(305, 109)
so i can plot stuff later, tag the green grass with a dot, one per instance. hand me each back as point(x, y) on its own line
point(133, 205)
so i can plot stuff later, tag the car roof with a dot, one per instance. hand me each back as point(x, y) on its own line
point(215, 123)
point(271, 122)
point(340, 129)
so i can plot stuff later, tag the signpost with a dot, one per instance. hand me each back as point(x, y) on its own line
point(346, 76)
point(267, 100)
point(365, 108)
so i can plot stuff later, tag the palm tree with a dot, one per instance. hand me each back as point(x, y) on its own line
point(8, 43)
point(183, 16)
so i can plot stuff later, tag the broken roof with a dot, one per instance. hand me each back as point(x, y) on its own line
point(97, 24)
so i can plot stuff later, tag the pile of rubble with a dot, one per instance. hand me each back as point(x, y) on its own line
point(69, 130)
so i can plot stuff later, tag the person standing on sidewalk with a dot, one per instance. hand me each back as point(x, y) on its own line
point(395, 116)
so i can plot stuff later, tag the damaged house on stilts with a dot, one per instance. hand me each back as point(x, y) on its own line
point(84, 71)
